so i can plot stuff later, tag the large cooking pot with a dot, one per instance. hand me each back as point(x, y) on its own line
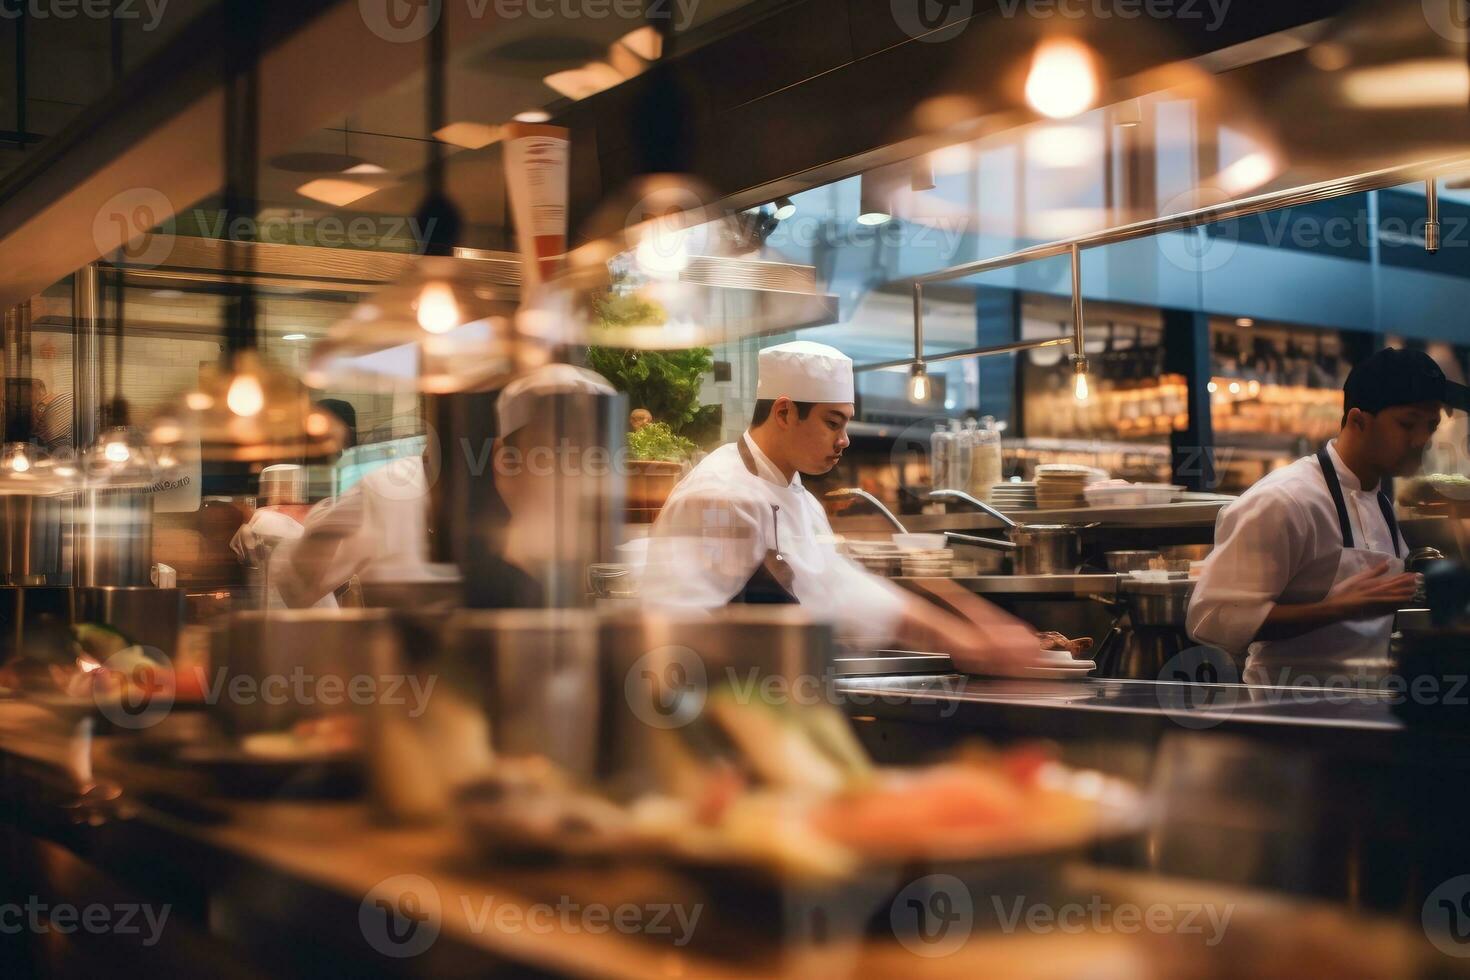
point(1039, 549)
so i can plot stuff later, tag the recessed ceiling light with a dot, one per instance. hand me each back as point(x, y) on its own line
point(533, 116)
point(470, 135)
point(580, 83)
point(293, 336)
point(365, 168)
point(338, 193)
point(1244, 321)
point(646, 42)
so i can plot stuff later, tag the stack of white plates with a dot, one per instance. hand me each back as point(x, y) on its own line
point(936, 563)
point(1051, 665)
point(1013, 496)
point(1060, 486)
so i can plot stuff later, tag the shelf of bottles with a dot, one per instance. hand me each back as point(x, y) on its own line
point(1277, 386)
point(1130, 399)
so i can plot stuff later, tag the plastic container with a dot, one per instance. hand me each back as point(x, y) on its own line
point(941, 456)
point(962, 452)
point(986, 461)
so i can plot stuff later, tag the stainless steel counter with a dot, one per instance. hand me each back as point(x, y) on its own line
point(1192, 510)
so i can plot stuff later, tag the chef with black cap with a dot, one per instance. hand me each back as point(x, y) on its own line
point(1308, 566)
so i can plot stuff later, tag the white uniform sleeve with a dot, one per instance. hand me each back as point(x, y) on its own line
point(1261, 540)
point(702, 550)
point(865, 609)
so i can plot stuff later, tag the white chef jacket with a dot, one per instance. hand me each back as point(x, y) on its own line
point(717, 526)
point(1282, 542)
point(378, 530)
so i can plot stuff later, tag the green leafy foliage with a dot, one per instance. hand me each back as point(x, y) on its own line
point(657, 441)
point(664, 382)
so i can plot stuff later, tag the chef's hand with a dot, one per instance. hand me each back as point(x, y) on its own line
point(979, 637)
point(1373, 592)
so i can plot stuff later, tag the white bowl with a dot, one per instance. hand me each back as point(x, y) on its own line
point(919, 542)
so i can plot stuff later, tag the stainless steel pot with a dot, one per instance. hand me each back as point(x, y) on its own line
point(148, 616)
point(31, 525)
point(1039, 549)
point(658, 672)
point(271, 649)
point(1158, 603)
point(537, 671)
point(113, 541)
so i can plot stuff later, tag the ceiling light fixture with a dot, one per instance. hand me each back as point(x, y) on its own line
point(533, 116)
point(468, 135)
point(1063, 78)
point(785, 208)
point(336, 192)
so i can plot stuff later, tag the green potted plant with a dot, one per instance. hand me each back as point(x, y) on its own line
point(665, 385)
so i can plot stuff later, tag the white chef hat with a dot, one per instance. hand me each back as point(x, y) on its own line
point(520, 400)
point(805, 372)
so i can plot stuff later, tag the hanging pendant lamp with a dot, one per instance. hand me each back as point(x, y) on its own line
point(246, 410)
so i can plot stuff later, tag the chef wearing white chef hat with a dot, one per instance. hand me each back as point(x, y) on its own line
point(1308, 566)
point(742, 528)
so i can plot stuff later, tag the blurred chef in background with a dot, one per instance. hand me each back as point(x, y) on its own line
point(1308, 566)
point(379, 529)
point(741, 528)
point(281, 508)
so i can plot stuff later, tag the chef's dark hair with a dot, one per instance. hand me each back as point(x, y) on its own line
point(764, 406)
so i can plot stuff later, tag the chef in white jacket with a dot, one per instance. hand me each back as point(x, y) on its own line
point(742, 528)
point(1308, 566)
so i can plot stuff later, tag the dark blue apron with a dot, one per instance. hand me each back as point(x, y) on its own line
point(1334, 487)
point(773, 580)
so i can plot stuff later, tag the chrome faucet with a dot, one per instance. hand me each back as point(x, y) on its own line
point(974, 502)
point(856, 492)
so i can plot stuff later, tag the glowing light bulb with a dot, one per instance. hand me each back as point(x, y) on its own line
point(116, 451)
point(438, 310)
point(1063, 79)
point(245, 398)
point(1081, 387)
point(663, 251)
point(20, 462)
point(919, 386)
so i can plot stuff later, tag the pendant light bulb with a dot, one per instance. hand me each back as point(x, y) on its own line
point(245, 398)
point(1079, 365)
point(1062, 82)
point(116, 450)
point(438, 310)
point(919, 384)
point(20, 462)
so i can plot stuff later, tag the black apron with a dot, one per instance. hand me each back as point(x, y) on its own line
point(1334, 487)
point(773, 581)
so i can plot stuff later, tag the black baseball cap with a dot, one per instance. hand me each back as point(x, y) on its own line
point(1394, 377)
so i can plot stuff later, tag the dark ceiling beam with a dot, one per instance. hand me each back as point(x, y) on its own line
point(827, 88)
point(160, 131)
